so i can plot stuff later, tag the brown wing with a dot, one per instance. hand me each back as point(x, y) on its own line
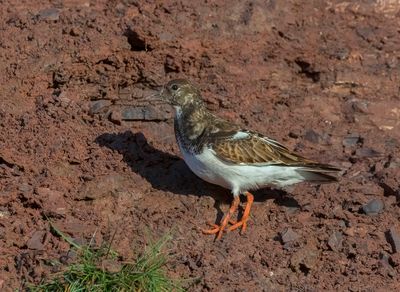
point(252, 148)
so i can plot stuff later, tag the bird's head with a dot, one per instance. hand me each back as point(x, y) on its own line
point(181, 93)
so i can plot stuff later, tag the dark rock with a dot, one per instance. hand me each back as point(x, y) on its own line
point(49, 14)
point(99, 106)
point(367, 152)
point(134, 113)
point(394, 239)
point(293, 134)
point(289, 235)
point(373, 207)
point(312, 136)
point(36, 241)
point(351, 140)
point(335, 241)
point(360, 106)
point(146, 113)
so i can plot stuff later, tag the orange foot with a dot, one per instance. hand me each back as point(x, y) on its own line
point(227, 219)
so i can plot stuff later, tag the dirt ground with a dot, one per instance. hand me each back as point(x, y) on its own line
point(77, 146)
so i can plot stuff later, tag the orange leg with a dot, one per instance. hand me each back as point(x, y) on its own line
point(246, 214)
point(220, 229)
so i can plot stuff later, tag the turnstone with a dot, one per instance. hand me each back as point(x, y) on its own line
point(227, 155)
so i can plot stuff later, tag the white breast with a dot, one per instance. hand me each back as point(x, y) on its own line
point(236, 177)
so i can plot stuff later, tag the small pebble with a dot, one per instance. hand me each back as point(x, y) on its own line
point(99, 106)
point(360, 106)
point(116, 117)
point(367, 152)
point(342, 223)
point(134, 113)
point(351, 140)
point(36, 241)
point(50, 14)
point(145, 113)
point(312, 136)
point(289, 235)
point(335, 241)
point(293, 135)
point(394, 239)
point(373, 207)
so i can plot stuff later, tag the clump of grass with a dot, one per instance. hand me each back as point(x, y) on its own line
point(88, 273)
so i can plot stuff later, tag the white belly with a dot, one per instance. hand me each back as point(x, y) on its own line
point(236, 177)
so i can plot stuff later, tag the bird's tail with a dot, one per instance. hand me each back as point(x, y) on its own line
point(319, 173)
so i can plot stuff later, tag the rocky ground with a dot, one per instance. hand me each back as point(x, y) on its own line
point(79, 148)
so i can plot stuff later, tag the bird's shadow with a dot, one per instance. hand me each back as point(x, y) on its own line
point(167, 172)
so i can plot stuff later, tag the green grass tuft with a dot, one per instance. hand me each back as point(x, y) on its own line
point(92, 271)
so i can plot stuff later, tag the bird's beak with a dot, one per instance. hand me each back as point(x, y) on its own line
point(155, 98)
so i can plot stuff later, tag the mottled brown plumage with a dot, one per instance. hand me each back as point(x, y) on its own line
point(256, 149)
point(197, 127)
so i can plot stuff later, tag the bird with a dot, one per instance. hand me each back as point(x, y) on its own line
point(224, 153)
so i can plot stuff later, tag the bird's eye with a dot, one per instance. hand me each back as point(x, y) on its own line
point(174, 87)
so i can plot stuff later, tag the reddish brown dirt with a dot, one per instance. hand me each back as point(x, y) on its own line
point(320, 76)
